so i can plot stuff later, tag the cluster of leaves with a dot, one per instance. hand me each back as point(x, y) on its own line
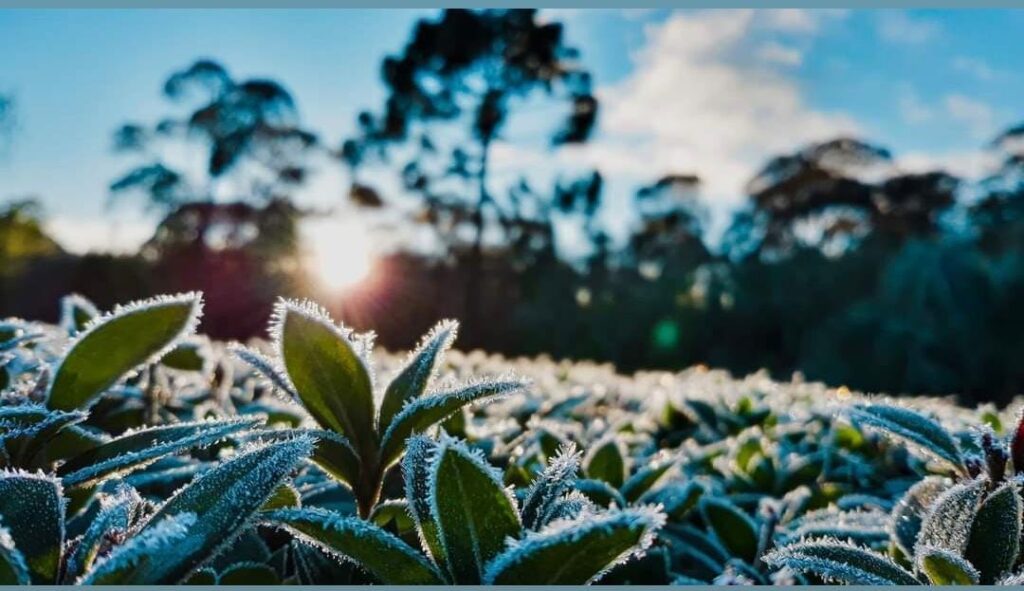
point(960, 525)
point(134, 452)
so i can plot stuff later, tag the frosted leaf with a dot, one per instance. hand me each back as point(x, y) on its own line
point(556, 479)
point(416, 473)
point(335, 455)
point(271, 371)
point(473, 511)
point(383, 555)
point(948, 522)
point(569, 507)
point(76, 312)
point(903, 423)
point(117, 513)
point(943, 567)
point(32, 507)
point(431, 409)
point(117, 343)
point(734, 529)
point(329, 368)
point(419, 370)
point(576, 552)
point(223, 500)
point(910, 511)
point(995, 535)
point(645, 478)
point(138, 448)
point(129, 562)
point(34, 424)
point(860, 527)
point(840, 562)
point(606, 460)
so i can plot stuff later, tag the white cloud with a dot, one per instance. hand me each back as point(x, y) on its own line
point(99, 234)
point(697, 102)
point(976, 68)
point(797, 20)
point(979, 118)
point(777, 53)
point(898, 26)
point(971, 165)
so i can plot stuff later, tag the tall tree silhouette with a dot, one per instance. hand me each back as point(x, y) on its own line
point(229, 219)
point(469, 70)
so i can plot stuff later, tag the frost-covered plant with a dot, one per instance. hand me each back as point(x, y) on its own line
point(128, 541)
point(963, 526)
point(327, 369)
point(472, 530)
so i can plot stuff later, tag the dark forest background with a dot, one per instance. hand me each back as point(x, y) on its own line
point(903, 283)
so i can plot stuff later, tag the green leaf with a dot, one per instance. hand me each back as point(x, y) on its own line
point(117, 513)
point(576, 553)
point(948, 522)
point(910, 511)
point(995, 534)
point(598, 491)
point(943, 567)
point(429, 410)
point(116, 344)
point(190, 355)
point(32, 511)
point(137, 449)
point(841, 562)
point(677, 499)
point(336, 456)
point(248, 573)
point(638, 484)
point(412, 381)
point(473, 511)
point(733, 528)
point(605, 462)
point(25, 429)
point(326, 366)
point(13, 569)
point(416, 473)
point(390, 560)
point(913, 427)
point(285, 496)
point(222, 502)
point(557, 479)
point(147, 551)
point(393, 511)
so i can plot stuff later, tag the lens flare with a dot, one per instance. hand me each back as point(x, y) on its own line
point(338, 252)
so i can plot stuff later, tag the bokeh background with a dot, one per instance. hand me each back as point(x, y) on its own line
point(835, 193)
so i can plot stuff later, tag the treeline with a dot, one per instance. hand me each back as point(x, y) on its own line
point(840, 266)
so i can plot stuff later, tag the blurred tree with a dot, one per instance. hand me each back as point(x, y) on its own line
point(825, 196)
point(468, 69)
point(254, 148)
point(22, 237)
point(672, 222)
point(230, 217)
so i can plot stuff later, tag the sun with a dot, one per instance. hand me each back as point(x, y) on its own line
point(338, 252)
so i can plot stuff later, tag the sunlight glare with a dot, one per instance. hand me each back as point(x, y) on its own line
point(339, 252)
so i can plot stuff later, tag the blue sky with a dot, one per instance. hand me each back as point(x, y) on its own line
point(711, 92)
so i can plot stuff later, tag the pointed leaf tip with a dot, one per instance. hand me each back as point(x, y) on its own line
point(113, 345)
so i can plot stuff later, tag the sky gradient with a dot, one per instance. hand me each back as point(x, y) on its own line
point(707, 92)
